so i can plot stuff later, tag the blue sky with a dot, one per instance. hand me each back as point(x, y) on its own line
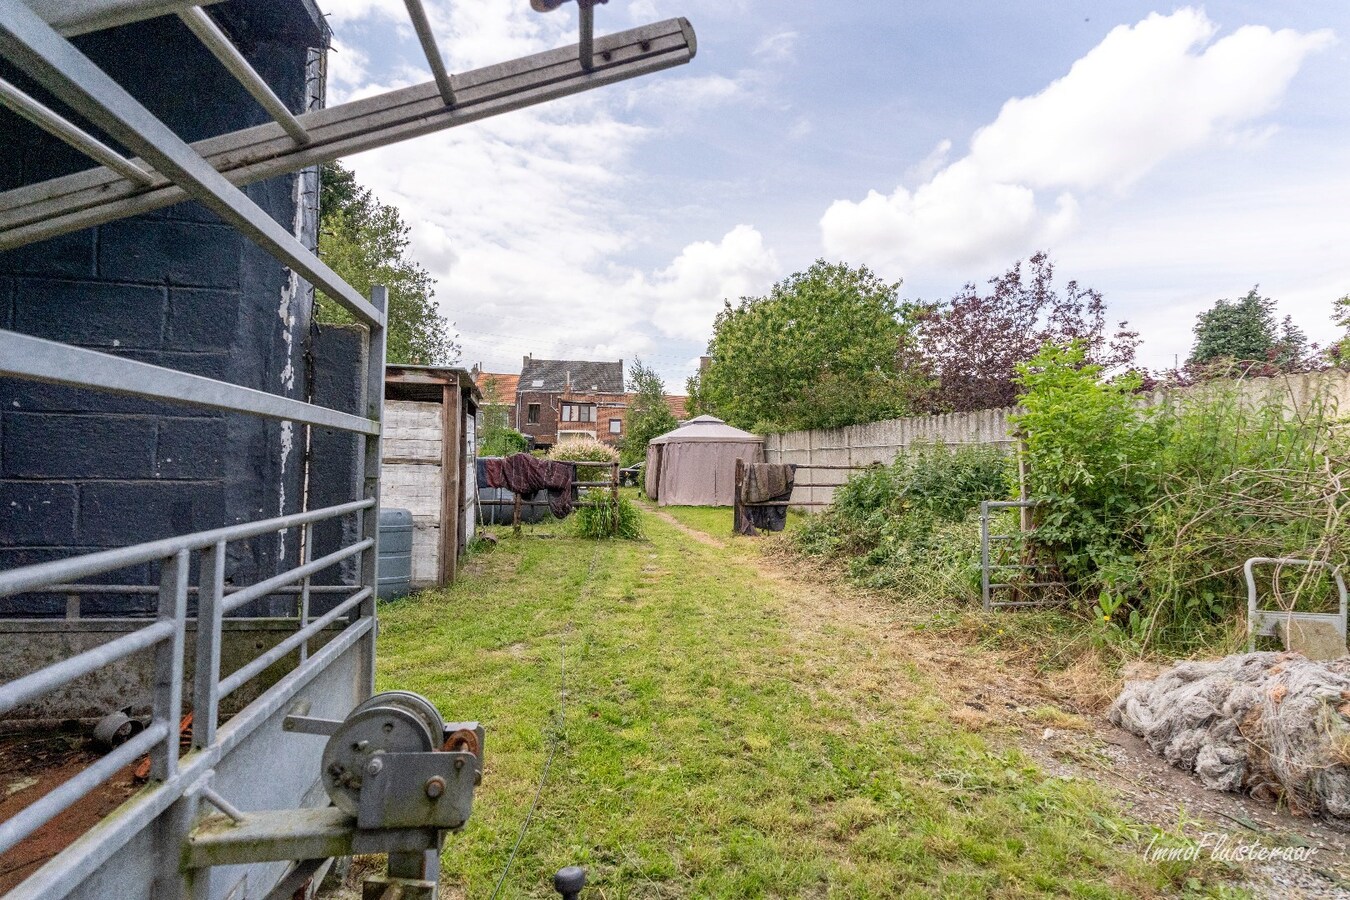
point(1165, 155)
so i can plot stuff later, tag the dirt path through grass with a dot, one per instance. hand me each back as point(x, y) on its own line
point(729, 731)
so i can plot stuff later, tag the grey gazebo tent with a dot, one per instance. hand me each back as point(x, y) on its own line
point(695, 465)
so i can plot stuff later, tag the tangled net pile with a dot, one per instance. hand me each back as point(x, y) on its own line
point(1275, 725)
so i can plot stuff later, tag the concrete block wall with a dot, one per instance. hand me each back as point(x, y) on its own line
point(82, 470)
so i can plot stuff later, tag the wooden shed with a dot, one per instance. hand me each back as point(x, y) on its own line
point(429, 445)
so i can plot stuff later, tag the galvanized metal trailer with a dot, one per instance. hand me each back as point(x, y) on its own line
point(160, 843)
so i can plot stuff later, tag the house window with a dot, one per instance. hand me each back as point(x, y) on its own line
point(532, 414)
point(616, 426)
point(578, 412)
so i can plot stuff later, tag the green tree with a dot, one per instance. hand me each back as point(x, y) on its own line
point(1339, 352)
point(1291, 349)
point(496, 437)
point(366, 243)
point(648, 415)
point(697, 404)
point(1236, 330)
point(827, 347)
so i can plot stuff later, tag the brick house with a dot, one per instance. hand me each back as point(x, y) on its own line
point(553, 399)
point(561, 398)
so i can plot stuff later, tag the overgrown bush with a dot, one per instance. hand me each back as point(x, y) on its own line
point(1150, 506)
point(503, 442)
point(1092, 453)
point(1151, 511)
point(585, 449)
point(610, 517)
point(912, 523)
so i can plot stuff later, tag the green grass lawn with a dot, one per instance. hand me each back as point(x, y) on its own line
point(710, 745)
point(716, 520)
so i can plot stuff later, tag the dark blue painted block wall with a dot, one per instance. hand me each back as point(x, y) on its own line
point(81, 470)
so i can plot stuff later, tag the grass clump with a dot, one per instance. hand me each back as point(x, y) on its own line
point(610, 517)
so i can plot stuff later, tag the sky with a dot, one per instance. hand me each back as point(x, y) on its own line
point(1166, 156)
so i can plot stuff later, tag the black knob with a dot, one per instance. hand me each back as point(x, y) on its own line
point(569, 882)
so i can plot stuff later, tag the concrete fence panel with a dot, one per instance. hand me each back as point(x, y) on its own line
point(881, 442)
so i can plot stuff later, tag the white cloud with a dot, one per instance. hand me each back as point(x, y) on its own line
point(1146, 93)
point(340, 12)
point(689, 292)
point(348, 69)
point(778, 47)
point(680, 96)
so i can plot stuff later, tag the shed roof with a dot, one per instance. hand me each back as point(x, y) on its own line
point(709, 429)
point(404, 382)
point(555, 375)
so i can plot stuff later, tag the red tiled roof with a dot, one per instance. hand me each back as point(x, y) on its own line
point(504, 386)
point(678, 406)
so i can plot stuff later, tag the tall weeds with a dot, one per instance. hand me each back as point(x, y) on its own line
point(1151, 510)
point(1148, 509)
point(911, 523)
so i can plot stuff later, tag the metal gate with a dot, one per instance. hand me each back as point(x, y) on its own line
point(1004, 568)
point(249, 760)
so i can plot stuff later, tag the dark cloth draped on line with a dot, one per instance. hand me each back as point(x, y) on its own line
point(526, 475)
point(764, 483)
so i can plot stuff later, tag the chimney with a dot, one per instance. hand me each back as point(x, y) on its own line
point(526, 360)
point(704, 362)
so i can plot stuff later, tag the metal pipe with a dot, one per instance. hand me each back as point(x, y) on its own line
point(168, 688)
point(57, 801)
point(302, 603)
point(209, 33)
point(586, 35)
point(153, 589)
point(206, 667)
point(210, 795)
point(35, 684)
point(433, 54)
point(25, 106)
point(72, 17)
point(36, 359)
point(16, 581)
point(290, 576)
point(370, 454)
point(256, 666)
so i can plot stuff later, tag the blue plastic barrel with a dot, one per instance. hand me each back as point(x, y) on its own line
point(394, 572)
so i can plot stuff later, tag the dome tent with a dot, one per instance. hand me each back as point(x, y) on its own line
point(695, 465)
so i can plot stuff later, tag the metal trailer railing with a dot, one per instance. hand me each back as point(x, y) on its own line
point(1263, 622)
point(176, 780)
point(142, 848)
point(988, 565)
